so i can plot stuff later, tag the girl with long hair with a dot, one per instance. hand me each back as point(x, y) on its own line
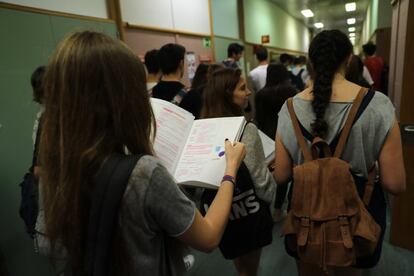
point(269, 101)
point(96, 104)
point(322, 110)
point(226, 94)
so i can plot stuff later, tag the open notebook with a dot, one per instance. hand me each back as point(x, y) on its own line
point(193, 150)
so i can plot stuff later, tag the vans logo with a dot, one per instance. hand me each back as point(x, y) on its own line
point(243, 205)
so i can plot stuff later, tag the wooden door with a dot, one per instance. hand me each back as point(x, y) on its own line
point(401, 87)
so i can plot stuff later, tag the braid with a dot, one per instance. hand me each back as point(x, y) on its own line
point(327, 52)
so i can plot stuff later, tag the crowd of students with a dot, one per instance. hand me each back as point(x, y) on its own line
point(97, 103)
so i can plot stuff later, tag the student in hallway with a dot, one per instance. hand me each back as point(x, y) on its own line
point(226, 94)
point(234, 54)
point(170, 88)
point(258, 74)
point(355, 72)
point(193, 99)
point(375, 64)
point(84, 123)
point(299, 73)
point(374, 137)
point(286, 60)
point(36, 81)
point(152, 64)
point(268, 102)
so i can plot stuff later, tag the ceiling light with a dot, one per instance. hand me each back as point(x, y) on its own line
point(352, 35)
point(351, 29)
point(351, 21)
point(318, 25)
point(307, 13)
point(350, 7)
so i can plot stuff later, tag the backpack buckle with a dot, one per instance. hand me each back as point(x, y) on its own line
point(343, 221)
point(305, 222)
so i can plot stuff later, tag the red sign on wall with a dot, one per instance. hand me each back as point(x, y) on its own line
point(265, 39)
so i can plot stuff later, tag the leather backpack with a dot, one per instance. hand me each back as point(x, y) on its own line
point(328, 223)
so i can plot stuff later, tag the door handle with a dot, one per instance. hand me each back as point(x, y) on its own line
point(409, 128)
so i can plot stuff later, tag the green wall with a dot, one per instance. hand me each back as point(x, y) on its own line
point(379, 15)
point(27, 40)
point(373, 19)
point(225, 18)
point(266, 18)
point(384, 14)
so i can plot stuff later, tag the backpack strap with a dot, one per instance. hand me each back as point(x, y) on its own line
point(36, 145)
point(299, 136)
point(179, 96)
point(110, 184)
point(349, 122)
point(369, 186)
point(365, 102)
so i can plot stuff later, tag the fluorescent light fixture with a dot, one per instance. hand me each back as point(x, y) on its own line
point(352, 35)
point(307, 13)
point(351, 21)
point(318, 25)
point(350, 6)
point(351, 29)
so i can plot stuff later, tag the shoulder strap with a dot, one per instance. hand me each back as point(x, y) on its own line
point(349, 122)
point(37, 142)
point(179, 96)
point(365, 102)
point(299, 137)
point(110, 184)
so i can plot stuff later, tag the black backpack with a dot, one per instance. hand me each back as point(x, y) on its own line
point(297, 80)
point(110, 184)
point(29, 191)
point(250, 222)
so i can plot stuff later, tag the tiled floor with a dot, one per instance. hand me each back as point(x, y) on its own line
point(395, 261)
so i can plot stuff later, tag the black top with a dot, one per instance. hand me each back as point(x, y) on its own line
point(193, 101)
point(166, 90)
point(269, 101)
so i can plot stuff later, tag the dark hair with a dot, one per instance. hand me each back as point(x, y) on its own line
point(234, 48)
point(327, 52)
point(37, 84)
point(261, 53)
point(299, 60)
point(170, 57)
point(152, 61)
point(268, 102)
point(200, 76)
point(284, 58)
point(369, 48)
point(276, 74)
point(213, 68)
point(354, 72)
point(218, 94)
point(96, 103)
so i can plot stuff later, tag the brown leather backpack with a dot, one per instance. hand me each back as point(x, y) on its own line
point(328, 224)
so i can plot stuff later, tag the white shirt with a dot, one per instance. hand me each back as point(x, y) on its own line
point(367, 76)
point(258, 77)
point(150, 86)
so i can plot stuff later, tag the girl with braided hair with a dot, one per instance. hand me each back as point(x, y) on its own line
point(322, 109)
